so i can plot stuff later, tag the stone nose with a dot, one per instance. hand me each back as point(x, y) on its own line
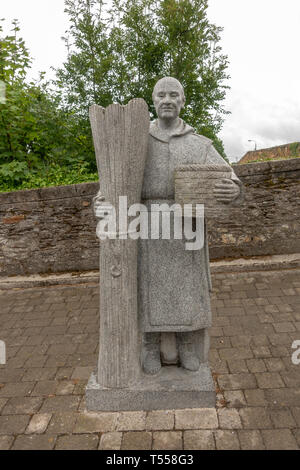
point(167, 99)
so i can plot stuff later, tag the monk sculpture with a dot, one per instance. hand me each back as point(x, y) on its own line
point(174, 283)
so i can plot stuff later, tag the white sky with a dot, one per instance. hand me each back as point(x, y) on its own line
point(261, 39)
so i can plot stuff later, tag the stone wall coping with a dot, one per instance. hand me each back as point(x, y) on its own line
point(271, 166)
point(90, 189)
point(49, 193)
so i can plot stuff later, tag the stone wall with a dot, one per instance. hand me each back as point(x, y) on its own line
point(268, 223)
point(53, 229)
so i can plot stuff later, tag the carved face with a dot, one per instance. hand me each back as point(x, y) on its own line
point(168, 98)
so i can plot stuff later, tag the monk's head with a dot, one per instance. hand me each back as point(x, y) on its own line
point(168, 98)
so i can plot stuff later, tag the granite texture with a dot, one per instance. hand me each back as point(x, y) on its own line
point(174, 283)
point(172, 387)
point(162, 287)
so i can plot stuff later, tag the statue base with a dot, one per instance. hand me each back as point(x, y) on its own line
point(172, 388)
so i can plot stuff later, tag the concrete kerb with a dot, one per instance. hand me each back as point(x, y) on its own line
point(258, 263)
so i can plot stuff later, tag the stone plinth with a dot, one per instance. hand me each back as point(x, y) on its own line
point(172, 388)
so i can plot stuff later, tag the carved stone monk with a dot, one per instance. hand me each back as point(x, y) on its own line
point(173, 283)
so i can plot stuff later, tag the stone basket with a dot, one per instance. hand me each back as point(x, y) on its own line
point(194, 184)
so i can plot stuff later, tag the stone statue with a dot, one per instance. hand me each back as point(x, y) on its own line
point(173, 283)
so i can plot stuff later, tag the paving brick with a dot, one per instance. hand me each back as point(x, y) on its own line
point(232, 330)
point(256, 365)
point(3, 401)
point(274, 364)
point(296, 414)
point(251, 440)
point(219, 367)
point(13, 424)
point(269, 380)
point(235, 398)
point(167, 440)
point(255, 397)
point(241, 341)
point(235, 354)
point(38, 374)
point(90, 422)
point(23, 405)
point(6, 442)
point(284, 327)
point(291, 377)
point(221, 321)
point(280, 351)
point(216, 331)
point(34, 442)
point(64, 373)
point(10, 375)
point(45, 388)
point(136, 441)
point(237, 365)
point(237, 381)
point(282, 418)
point(227, 440)
point(39, 423)
point(283, 397)
point(279, 439)
point(131, 421)
point(56, 361)
point(232, 310)
point(255, 418)
point(198, 440)
point(61, 403)
point(82, 372)
point(220, 343)
point(265, 318)
point(160, 420)
point(77, 442)
point(261, 301)
point(296, 433)
point(110, 441)
point(65, 387)
point(64, 348)
point(229, 419)
point(202, 418)
point(16, 389)
point(260, 340)
point(62, 423)
point(279, 339)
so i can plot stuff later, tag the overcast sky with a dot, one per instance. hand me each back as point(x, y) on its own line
point(261, 39)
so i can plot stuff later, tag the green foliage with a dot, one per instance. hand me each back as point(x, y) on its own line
point(295, 149)
point(267, 159)
point(53, 175)
point(117, 53)
point(35, 130)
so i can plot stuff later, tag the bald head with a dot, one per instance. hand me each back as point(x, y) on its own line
point(168, 99)
point(167, 83)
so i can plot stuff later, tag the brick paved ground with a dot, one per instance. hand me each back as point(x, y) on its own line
point(51, 337)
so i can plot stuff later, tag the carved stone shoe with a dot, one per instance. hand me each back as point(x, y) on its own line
point(188, 359)
point(151, 362)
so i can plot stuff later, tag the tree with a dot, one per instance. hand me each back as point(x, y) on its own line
point(117, 53)
point(35, 131)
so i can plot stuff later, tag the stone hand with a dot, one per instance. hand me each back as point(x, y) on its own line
point(226, 190)
point(101, 208)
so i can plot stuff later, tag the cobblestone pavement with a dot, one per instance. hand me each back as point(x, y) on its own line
point(51, 338)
